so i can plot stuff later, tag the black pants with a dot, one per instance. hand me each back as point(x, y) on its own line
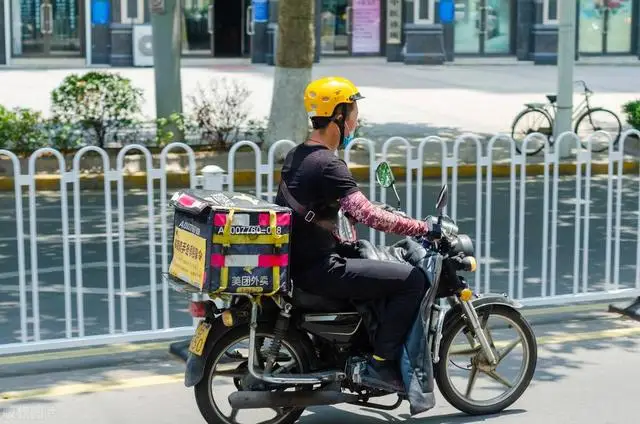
point(401, 284)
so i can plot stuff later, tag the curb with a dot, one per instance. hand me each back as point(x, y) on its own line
point(84, 388)
point(247, 177)
point(179, 346)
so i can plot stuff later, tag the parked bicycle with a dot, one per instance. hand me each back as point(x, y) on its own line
point(540, 118)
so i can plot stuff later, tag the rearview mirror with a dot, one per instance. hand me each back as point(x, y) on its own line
point(384, 175)
point(385, 178)
point(442, 199)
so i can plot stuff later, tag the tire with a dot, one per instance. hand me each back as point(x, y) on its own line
point(588, 118)
point(204, 389)
point(546, 126)
point(451, 394)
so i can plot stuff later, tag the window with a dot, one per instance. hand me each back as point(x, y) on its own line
point(550, 11)
point(423, 11)
point(132, 11)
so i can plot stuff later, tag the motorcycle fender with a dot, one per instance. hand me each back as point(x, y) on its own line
point(490, 299)
point(195, 364)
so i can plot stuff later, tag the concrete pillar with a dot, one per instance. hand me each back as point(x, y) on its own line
point(545, 38)
point(259, 42)
point(448, 30)
point(394, 33)
point(103, 13)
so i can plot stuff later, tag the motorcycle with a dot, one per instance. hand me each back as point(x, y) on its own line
point(286, 353)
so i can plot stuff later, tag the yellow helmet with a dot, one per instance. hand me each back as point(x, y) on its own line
point(323, 95)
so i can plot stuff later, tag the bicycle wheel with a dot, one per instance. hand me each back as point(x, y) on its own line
point(531, 121)
point(599, 119)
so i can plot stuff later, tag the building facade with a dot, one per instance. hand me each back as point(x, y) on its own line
point(409, 31)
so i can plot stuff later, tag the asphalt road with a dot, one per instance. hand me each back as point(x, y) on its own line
point(94, 252)
point(582, 376)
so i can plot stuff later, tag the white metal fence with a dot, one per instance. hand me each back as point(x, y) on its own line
point(486, 197)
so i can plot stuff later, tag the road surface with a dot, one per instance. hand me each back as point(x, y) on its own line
point(137, 249)
point(587, 373)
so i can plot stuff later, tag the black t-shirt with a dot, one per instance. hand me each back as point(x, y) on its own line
point(317, 179)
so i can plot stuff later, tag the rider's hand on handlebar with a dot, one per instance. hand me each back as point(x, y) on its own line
point(435, 230)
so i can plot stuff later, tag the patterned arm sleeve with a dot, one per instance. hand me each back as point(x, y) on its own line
point(365, 212)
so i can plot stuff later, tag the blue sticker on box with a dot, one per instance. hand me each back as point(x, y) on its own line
point(260, 11)
point(100, 12)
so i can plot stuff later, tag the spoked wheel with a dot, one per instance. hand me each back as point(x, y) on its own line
point(466, 378)
point(227, 373)
point(601, 124)
point(531, 121)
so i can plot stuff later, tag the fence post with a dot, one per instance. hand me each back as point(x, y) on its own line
point(212, 179)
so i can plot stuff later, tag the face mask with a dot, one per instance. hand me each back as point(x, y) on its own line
point(347, 138)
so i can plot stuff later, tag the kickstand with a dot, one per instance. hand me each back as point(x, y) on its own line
point(379, 406)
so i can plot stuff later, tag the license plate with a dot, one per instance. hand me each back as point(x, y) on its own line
point(199, 339)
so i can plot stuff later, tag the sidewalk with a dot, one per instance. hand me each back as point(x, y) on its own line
point(408, 101)
point(400, 100)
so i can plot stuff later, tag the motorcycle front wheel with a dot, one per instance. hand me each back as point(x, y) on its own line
point(463, 360)
point(212, 391)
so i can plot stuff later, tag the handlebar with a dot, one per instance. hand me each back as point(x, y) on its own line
point(587, 90)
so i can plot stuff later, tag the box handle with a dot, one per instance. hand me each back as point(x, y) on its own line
point(226, 233)
point(226, 242)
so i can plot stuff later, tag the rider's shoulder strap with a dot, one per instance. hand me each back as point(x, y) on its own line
point(306, 213)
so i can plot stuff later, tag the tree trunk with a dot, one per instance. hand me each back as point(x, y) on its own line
point(295, 52)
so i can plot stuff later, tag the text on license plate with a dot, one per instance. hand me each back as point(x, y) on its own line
point(199, 338)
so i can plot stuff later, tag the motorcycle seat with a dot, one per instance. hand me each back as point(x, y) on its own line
point(367, 250)
point(317, 303)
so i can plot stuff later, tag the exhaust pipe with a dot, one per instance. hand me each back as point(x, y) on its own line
point(254, 400)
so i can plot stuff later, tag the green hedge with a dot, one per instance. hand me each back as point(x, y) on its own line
point(104, 109)
point(632, 112)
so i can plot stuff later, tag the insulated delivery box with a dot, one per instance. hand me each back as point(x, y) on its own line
point(227, 242)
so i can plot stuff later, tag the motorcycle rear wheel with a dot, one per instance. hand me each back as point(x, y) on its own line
point(467, 404)
point(204, 390)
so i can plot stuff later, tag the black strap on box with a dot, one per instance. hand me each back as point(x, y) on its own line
point(306, 213)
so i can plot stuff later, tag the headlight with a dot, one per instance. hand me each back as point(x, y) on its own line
point(462, 244)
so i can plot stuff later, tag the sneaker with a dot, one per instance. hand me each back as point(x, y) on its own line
point(382, 375)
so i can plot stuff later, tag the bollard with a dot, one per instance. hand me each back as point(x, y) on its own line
point(212, 179)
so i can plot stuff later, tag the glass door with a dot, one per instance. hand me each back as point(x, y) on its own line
point(618, 30)
point(482, 26)
point(591, 26)
point(468, 26)
point(497, 28)
point(605, 26)
point(197, 27)
point(47, 28)
point(336, 26)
